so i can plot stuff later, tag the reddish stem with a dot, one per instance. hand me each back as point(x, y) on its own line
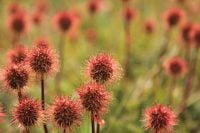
point(19, 92)
point(92, 123)
point(98, 128)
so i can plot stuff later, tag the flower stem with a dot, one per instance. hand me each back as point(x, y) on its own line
point(43, 101)
point(64, 130)
point(27, 130)
point(92, 123)
point(171, 90)
point(19, 92)
point(98, 128)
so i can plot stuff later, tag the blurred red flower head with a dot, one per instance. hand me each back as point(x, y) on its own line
point(195, 35)
point(65, 112)
point(37, 17)
point(18, 55)
point(27, 113)
point(41, 6)
point(42, 59)
point(94, 98)
point(18, 23)
point(129, 14)
point(173, 17)
point(103, 68)
point(63, 21)
point(175, 66)
point(159, 119)
point(149, 26)
point(186, 31)
point(94, 6)
point(14, 8)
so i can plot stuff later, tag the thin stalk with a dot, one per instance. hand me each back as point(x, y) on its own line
point(19, 92)
point(43, 100)
point(98, 128)
point(27, 130)
point(15, 40)
point(92, 123)
point(64, 130)
point(128, 48)
point(171, 91)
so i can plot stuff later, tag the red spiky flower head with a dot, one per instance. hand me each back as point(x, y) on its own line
point(42, 59)
point(173, 17)
point(129, 14)
point(94, 6)
point(18, 23)
point(37, 17)
point(1, 113)
point(63, 21)
point(94, 98)
point(14, 8)
point(175, 66)
point(18, 55)
point(15, 76)
point(41, 6)
point(27, 113)
point(103, 68)
point(159, 119)
point(149, 26)
point(65, 112)
point(186, 31)
point(195, 35)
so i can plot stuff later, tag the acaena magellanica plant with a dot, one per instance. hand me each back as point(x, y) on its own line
point(95, 99)
point(65, 113)
point(27, 113)
point(42, 61)
point(159, 119)
point(15, 78)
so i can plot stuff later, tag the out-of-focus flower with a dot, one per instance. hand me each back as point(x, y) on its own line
point(27, 114)
point(94, 6)
point(37, 18)
point(42, 59)
point(94, 98)
point(14, 8)
point(1, 114)
point(18, 55)
point(159, 119)
point(195, 35)
point(65, 112)
point(175, 66)
point(91, 35)
point(129, 14)
point(186, 31)
point(173, 17)
point(149, 26)
point(103, 68)
point(41, 6)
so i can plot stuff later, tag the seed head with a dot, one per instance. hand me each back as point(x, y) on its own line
point(15, 76)
point(65, 112)
point(103, 68)
point(173, 17)
point(149, 26)
point(18, 55)
point(159, 119)
point(27, 113)
point(94, 6)
point(129, 14)
point(94, 98)
point(175, 66)
point(42, 59)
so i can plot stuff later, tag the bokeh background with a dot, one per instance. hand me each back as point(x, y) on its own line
point(104, 32)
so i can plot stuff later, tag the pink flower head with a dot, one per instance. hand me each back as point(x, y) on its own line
point(186, 31)
point(173, 17)
point(18, 55)
point(63, 21)
point(129, 14)
point(14, 8)
point(18, 23)
point(1, 113)
point(94, 98)
point(41, 6)
point(94, 6)
point(103, 68)
point(159, 119)
point(65, 112)
point(175, 66)
point(149, 26)
point(195, 35)
point(42, 59)
point(37, 17)
point(27, 113)
point(15, 76)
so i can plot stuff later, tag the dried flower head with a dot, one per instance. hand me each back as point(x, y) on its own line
point(1, 113)
point(186, 31)
point(173, 17)
point(18, 23)
point(175, 66)
point(27, 113)
point(195, 35)
point(42, 59)
point(159, 119)
point(15, 76)
point(18, 55)
point(65, 112)
point(149, 26)
point(129, 14)
point(63, 21)
point(103, 68)
point(94, 98)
